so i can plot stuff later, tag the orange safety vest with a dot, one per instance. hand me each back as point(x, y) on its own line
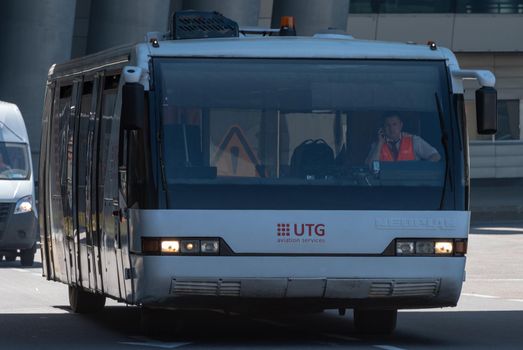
point(406, 151)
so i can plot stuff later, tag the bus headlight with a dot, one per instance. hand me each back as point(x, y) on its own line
point(190, 247)
point(24, 205)
point(427, 247)
point(180, 246)
point(170, 246)
point(210, 247)
point(405, 247)
point(443, 248)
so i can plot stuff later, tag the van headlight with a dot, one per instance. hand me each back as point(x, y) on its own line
point(24, 205)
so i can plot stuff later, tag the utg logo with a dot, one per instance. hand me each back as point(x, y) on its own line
point(299, 230)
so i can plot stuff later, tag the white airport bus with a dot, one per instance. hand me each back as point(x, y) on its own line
point(212, 168)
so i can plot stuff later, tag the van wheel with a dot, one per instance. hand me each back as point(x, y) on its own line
point(27, 256)
point(375, 321)
point(10, 257)
point(83, 302)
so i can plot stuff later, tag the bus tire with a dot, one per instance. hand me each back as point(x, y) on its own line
point(84, 302)
point(27, 256)
point(375, 321)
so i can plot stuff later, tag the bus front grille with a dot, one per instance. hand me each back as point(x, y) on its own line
point(404, 289)
point(206, 288)
point(314, 288)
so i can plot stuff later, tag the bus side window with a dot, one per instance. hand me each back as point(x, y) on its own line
point(110, 90)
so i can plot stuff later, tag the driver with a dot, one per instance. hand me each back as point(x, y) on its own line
point(394, 145)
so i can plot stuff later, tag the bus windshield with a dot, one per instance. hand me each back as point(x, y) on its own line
point(303, 134)
point(14, 164)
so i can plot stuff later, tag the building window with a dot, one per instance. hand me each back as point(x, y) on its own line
point(436, 6)
point(401, 6)
point(508, 120)
point(489, 6)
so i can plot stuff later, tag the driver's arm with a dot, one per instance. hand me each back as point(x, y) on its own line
point(424, 150)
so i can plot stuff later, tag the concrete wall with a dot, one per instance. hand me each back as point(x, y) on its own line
point(459, 32)
point(81, 28)
point(507, 66)
point(496, 160)
point(264, 20)
point(35, 34)
point(312, 16)
point(119, 22)
point(489, 158)
point(245, 12)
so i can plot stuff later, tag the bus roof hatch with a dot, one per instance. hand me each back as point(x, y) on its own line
point(200, 24)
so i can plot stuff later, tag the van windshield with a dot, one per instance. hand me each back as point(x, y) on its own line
point(303, 134)
point(14, 161)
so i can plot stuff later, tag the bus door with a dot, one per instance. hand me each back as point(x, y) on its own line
point(84, 163)
point(124, 263)
point(56, 181)
point(69, 193)
point(43, 188)
point(93, 158)
point(108, 187)
point(132, 183)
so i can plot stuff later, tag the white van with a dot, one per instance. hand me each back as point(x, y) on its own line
point(18, 222)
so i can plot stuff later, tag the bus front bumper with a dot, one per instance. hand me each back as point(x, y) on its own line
point(399, 282)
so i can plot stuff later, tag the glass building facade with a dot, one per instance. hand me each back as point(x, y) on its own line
point(437, 6)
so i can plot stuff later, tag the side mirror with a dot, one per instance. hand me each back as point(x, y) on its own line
point(486, 110)
point(133, 106)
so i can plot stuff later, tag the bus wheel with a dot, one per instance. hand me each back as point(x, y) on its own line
point(375, 321)
point(27, 256)
point(83, 302)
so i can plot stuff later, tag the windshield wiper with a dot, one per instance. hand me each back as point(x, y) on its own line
point(445, 143)
point(162, 166)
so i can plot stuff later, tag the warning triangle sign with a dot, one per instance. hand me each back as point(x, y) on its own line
point(235, 157)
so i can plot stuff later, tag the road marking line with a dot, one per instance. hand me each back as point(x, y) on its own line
point(19, 270)
point(496, 279)
point(480, 296)
point(491, 297)
point(155, 344)
point(501, 228)
point(388, 347)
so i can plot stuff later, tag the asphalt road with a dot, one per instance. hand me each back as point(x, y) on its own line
point(34, 314)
